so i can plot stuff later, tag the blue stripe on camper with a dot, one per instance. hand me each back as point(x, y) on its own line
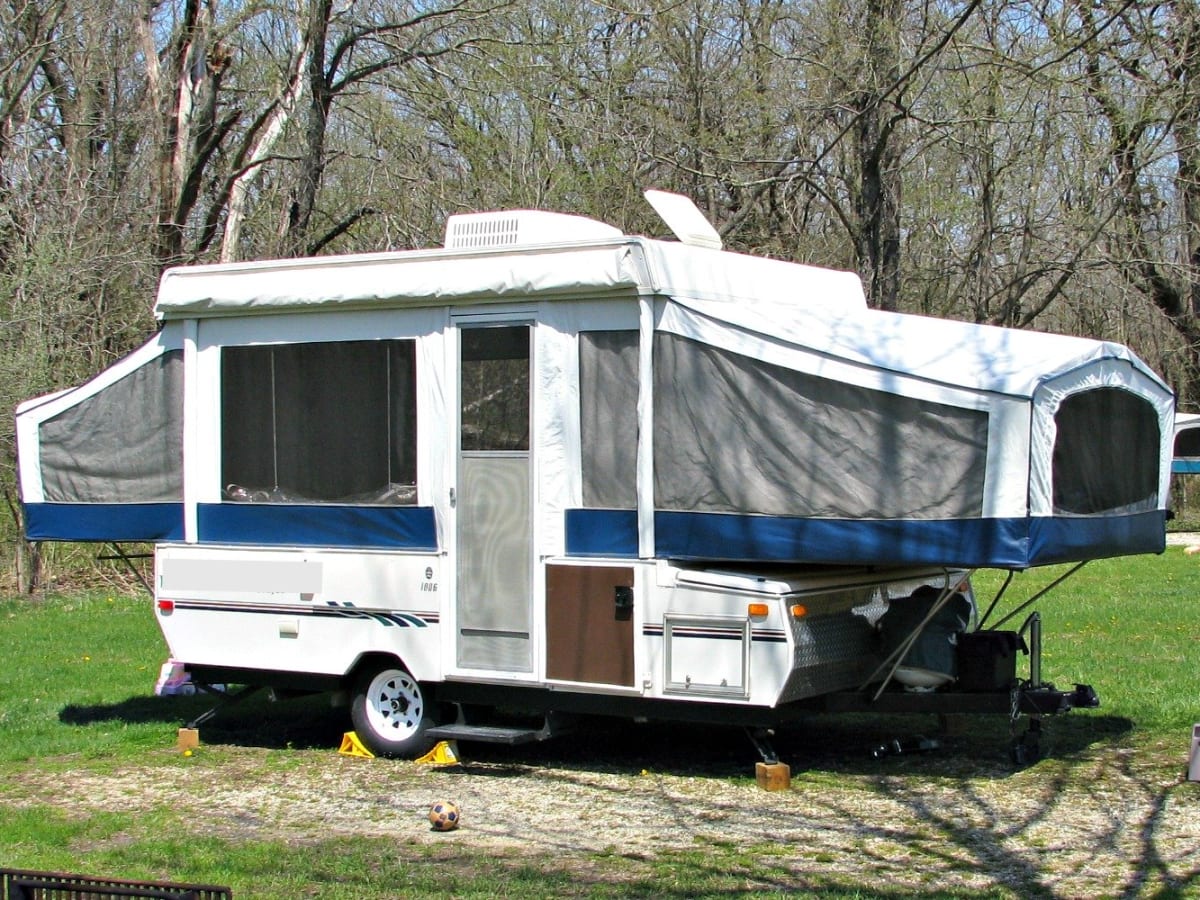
point(602, 532)
point(104, 521)
point(726, 536)
point(1055, 540)
point(1185, 466)
point(316, 525)
point(1001, 543)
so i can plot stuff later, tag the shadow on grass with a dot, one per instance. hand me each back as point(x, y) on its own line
point(947, 815)
point(844, 744)
point(306, 723)
point(841, 743)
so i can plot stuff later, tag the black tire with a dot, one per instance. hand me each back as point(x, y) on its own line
point(391, 712)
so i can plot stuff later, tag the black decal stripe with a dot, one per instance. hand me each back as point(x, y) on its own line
point(762, 636)
point(384, 617)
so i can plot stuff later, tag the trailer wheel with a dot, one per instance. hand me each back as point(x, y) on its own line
point(391, 713)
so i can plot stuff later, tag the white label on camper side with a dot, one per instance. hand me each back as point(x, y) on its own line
point(193, 575)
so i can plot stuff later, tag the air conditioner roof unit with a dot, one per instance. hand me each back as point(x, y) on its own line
point(522, 227)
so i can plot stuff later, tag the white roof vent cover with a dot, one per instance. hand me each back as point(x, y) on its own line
point(684, 218)
point(522, 227)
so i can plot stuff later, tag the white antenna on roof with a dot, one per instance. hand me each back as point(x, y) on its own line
point(684, 218)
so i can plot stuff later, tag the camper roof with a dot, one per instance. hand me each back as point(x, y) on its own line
point(530, 254)
point(567, 269)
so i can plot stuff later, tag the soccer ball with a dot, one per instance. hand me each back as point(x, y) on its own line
point(443, 816)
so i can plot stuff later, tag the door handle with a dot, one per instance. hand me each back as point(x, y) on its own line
point(623, 602)
point(453, 498)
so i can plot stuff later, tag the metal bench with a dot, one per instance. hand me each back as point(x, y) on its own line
point(16, 884)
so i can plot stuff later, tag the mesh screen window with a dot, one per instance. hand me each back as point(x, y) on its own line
point(320, 422)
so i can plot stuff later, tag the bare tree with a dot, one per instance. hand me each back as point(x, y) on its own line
point(351, 53)
point(1140, 66)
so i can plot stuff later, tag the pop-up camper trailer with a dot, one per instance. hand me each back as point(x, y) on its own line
point(551, 465)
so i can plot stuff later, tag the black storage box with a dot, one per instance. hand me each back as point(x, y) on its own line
point(987, 660)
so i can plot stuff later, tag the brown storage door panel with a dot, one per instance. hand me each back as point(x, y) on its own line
point(589, 631)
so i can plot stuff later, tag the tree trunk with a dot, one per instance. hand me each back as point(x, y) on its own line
point(264, 144)
point(878, 212)
point(28, 554)
point(312, 165)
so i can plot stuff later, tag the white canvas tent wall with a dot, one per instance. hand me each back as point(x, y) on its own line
point(690, 403)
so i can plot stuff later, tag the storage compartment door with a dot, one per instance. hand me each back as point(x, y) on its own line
point(589, 624)
point(707, 656)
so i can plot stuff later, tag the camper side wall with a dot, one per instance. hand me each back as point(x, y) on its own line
point(299, 611)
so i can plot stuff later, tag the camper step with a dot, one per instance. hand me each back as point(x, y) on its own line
point(488, 734)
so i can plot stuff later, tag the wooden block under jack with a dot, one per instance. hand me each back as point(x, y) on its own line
point(189, 739)
point(773, 776)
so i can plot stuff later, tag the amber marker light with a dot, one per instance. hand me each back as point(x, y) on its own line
point(799, 610)
point(757, 610)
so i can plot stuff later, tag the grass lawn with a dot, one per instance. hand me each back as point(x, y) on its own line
point(76, 706)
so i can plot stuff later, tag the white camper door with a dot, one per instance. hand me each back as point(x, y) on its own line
point(493, 497)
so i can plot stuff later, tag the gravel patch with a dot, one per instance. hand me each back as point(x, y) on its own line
point(1183, 539)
